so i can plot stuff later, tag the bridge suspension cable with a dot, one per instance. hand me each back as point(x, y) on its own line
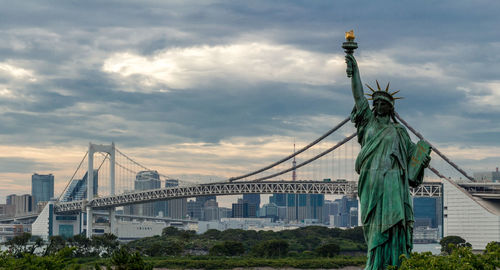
point(345, 140)
point(292, 155)
point(451, 163)
point(73, 176)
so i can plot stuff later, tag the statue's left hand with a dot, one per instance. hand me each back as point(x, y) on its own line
point(426, 161)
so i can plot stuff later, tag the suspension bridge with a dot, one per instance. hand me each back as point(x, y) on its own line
point(106, 178)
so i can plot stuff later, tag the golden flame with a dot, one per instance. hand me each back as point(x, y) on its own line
point(350, 35)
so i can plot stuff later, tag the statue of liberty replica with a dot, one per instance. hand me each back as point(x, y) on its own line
point(388, 164)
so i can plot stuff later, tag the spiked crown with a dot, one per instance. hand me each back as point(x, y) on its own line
point(382, 94)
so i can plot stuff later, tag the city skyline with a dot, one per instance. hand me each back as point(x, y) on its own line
point(212, 89)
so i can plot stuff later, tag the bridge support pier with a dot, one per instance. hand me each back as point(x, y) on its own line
point(90, 220)
point(112, 222)
point(95, 148)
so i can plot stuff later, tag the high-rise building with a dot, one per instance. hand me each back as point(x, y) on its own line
point(243, 209)
point(23, 204)
point(270, 210)
point(427, 212)
point(176, 208)
point(305, 206)
point(253, 198)
point(279, 199)
point(345, 212)
point(7, 210)
point(145, 180)
point(330, 209)
point(203, 199)
point(195, 210)
point(211, 211)
point(42, 187)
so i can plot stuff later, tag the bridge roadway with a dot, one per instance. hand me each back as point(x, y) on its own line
point(428, 189)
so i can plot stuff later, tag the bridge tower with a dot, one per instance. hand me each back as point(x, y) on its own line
point(109, 149)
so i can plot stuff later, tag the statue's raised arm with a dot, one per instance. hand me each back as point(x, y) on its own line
point(353, 73)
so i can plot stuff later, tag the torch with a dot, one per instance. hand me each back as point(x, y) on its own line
point(349, 45)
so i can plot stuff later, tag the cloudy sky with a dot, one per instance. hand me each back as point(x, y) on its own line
point(205, 87)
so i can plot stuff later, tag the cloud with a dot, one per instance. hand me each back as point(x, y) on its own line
point(181, 68)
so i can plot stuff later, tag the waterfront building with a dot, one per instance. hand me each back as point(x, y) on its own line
point(42, 187)
point(472, 218)
point(9, 231)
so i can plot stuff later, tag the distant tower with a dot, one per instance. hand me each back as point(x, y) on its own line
point(294, 164)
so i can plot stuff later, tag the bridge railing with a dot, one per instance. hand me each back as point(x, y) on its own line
point(432, 189)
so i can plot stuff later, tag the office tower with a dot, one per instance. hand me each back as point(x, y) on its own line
point(203, 199)
point(305, 206)
point(279, 199)
point(10, 199)
point(330, 209)
point(176, 208)
point(345, 205)
point(23, 204)
point(253, 198)
point(7, 210)
point(145, 180)
point(270, 210)
point(195, 210)
point(211, 210)
point(225, 212)
point(243, 209)
point(427, 212)
point(42, 187)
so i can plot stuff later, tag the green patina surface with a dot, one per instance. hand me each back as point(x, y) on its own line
point(383, 165)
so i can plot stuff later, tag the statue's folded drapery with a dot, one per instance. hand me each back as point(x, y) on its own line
point(383, 188)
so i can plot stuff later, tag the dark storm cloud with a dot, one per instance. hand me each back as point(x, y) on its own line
point(20, 165)
point(73, 101)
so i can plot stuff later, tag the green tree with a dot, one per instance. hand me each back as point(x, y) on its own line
point(162, 247)
point(449, 242)
point(228, 248)
point(82, 245)
point(212, 234)
point(461, 258)
point(104, 244)
point(271, 248)
point(19, 244)
point(123, 259)
point(328, 250)
point(170, 231)
point(56, 243)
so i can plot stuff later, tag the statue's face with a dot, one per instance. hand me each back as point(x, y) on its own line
point(382, 107)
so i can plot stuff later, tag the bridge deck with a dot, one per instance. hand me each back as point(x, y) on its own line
point(431, 189)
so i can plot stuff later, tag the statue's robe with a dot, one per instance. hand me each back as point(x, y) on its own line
point(383, 187)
